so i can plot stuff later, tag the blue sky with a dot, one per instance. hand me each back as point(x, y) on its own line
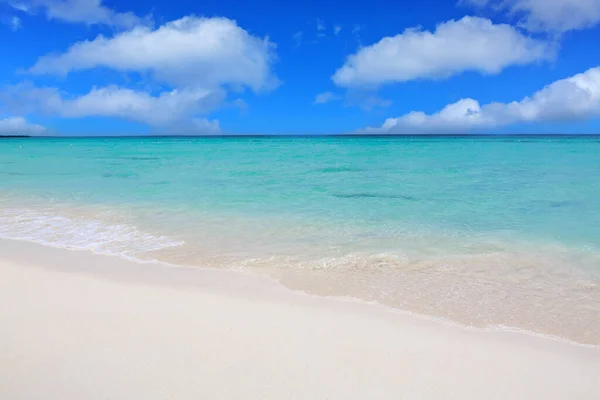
point(84, 67)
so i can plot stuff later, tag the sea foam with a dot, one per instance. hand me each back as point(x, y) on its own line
point(81, 233)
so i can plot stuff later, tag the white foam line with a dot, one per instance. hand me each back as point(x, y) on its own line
point(87, 234)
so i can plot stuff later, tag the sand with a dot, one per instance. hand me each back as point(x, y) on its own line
point(74, 325)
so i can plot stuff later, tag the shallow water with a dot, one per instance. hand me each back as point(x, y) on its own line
point(480, 230)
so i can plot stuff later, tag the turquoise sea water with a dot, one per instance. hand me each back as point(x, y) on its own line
point(480, 230)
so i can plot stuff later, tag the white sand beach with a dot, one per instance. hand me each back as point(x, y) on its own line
point(79, 326)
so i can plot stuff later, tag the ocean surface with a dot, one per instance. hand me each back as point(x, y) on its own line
point(483, 231)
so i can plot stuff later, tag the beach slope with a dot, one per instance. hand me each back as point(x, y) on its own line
point(79, 326)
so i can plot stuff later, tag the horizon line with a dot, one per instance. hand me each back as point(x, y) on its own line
point(301, 135)
point(233, 136)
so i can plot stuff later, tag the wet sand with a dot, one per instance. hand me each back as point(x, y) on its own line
point(75, 325)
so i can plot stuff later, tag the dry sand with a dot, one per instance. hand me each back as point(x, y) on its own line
point(79, 326)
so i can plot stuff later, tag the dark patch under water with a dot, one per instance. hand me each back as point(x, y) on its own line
point(19, 173)
point(330, 170)
point(141, 158)
point(133, 158)
point(565, 203)
point(122, 176)
point(373, 196)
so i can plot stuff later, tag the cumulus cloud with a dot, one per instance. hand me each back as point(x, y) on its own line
point(469, 44)
point(326, 97)
point(178, 107)
point(191, 51)
point(89, 12)
point(570, 99)
point(198, 59)
point(20, 126)
point(548, 15)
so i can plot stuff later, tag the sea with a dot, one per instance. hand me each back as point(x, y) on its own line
point(490, 232)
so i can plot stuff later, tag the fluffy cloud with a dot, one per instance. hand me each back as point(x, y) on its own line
point(326, 97)
point(548, 15)
point(19, 126)
point(199, 59)
point(189, 52)
point(571, 99)
point(177, 108)
point(469, 44)
point(82, 11)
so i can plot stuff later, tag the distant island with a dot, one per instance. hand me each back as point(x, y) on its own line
point(13, 136)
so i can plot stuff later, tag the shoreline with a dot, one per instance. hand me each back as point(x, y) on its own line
point(252, 276)
point(80, 324)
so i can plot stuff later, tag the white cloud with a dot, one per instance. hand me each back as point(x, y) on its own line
point(191, 51)
point(363, 99)
point(196, 126)
point(192, 127)
point(14, 23)
point(20, 7)
point(371, 102)
point(298, 38)
point(19, 126)
point(174, 108)
point(469, 44)
point(320, 28)
point(367, 100)
point(570, 99)
point(336, 30)
point(240, 104)
point(326, 97)
point(320, 25)
point(548, 15)
point(199, 59)
point(89, 12)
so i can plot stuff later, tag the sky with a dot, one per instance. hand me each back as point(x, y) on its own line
point(132, 67)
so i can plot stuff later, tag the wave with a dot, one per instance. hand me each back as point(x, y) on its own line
point(80, 232)
point(553, 290)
